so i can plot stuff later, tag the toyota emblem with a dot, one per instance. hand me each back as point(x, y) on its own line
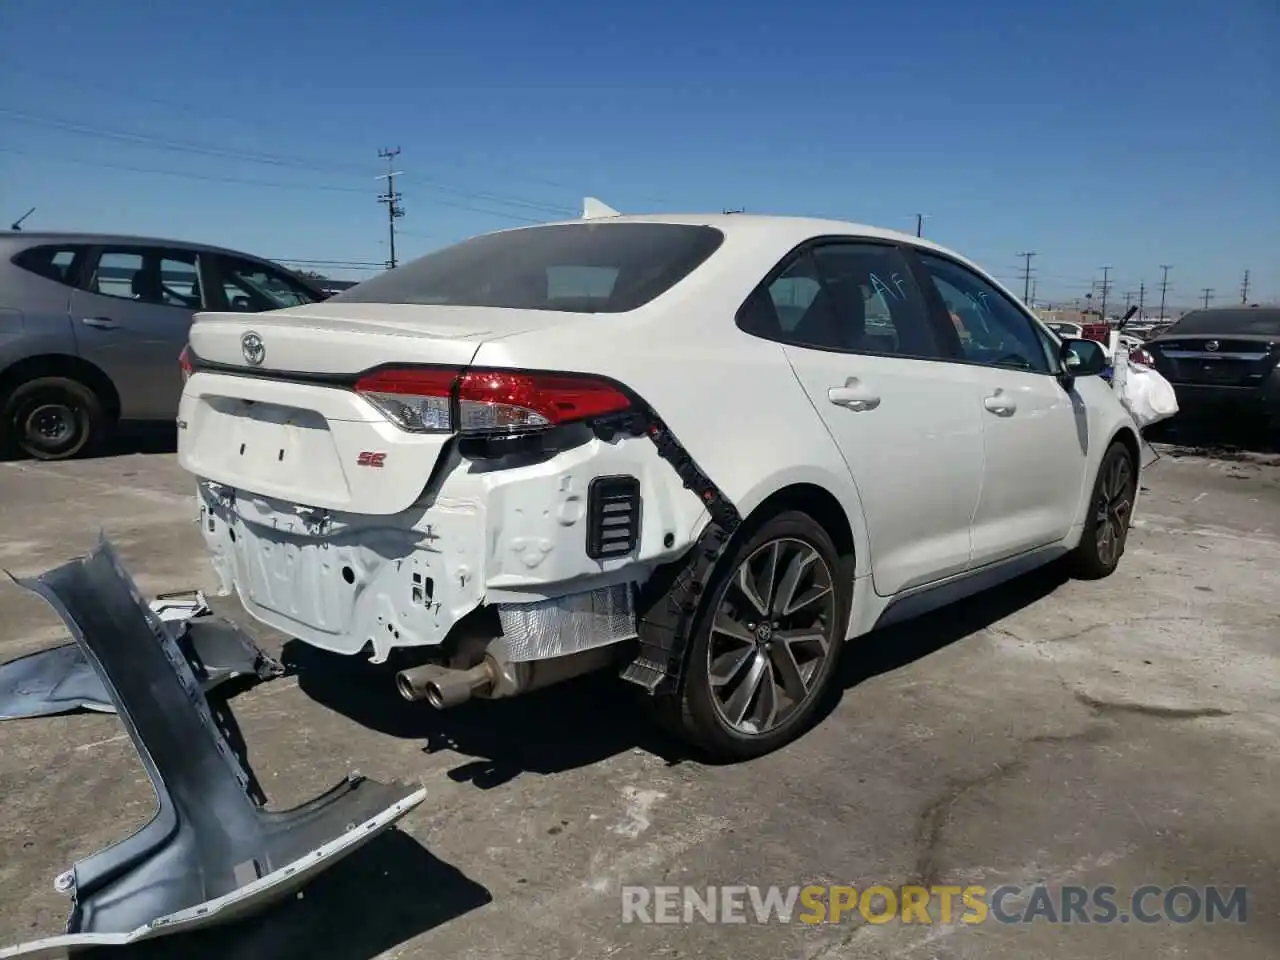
point(254, 350)
point(1212, 346)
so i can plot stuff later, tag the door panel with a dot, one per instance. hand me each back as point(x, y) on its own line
point(916, 457)
point(132, 322)
point(1035, 432)
point(1035, 464)
point(860, 339)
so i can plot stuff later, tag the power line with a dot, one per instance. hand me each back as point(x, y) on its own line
point(1164, 286)
point(1208, 295)
point(1244, 289)
point(248, 181)
point(205, 149)
point(1026, 274)
point(392, 200)
point(68, 80)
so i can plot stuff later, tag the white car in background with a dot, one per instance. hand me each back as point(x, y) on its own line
point(673, 444)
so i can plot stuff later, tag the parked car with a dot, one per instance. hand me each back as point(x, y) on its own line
point(676, 445)
point(1222, 358)
point(1067, 330)
point(91, 326)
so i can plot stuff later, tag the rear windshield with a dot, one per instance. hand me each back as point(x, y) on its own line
point(576, 268)
point(1223, 322)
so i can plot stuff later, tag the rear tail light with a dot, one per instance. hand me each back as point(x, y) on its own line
point(426, 400)
point(1143, 356)
point(184, 363)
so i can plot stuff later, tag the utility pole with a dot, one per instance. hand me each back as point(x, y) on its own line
point(1142, 298)
point(392, 200)
point(1208, 293)
point(1244, 290)
point(1128, 300)
point(1164, 287)
point(920, 219)
point(1106, 287)
point(1026, 255)
point(1033, 294)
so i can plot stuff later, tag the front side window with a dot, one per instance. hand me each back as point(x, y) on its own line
point(167, 278)
point(852, 297)
point(255, 288)
point(991, 329)
point(576, 268)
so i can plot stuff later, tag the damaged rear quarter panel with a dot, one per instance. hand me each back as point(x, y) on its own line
point(731, 399)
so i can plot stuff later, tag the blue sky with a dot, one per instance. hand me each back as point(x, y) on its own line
point(1127, 133)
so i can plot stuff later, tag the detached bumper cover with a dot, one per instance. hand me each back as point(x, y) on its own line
point(62, 680)
point(212, 853)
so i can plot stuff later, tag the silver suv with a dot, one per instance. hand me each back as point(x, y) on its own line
point(92, 325)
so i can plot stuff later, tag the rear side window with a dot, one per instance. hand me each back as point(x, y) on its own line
point(845, 296)
point(574, 268)
point(51, 262)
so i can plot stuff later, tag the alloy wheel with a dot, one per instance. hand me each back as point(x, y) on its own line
point(771, 636)
point(1112, 509)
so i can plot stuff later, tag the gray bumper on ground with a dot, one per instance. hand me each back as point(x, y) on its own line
point(212, 852)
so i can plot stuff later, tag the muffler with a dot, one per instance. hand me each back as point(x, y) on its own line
point(444, 687)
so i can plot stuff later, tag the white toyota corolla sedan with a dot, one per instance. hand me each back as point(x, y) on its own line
point(705, 451)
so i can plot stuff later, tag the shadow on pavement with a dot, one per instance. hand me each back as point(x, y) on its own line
point(889, 649)
point(590, 719)
point(574, 724)
point(148, 438)
point(384, 894)
point(1222, 437)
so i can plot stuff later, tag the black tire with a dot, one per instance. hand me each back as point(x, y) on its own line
point(695, 713)
point(1106, 527)
point(52, 418)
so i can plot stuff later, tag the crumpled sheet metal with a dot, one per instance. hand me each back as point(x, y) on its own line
point(212, 853)
point(61, 679)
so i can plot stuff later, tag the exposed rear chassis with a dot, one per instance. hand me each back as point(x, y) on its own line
point(212, 853)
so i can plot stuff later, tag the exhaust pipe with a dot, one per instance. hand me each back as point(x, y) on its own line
point(444, 687)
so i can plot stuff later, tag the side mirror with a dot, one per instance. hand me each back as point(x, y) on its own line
point(1081, 358)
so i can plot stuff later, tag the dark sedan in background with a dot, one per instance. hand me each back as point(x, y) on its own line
point(1223, 359)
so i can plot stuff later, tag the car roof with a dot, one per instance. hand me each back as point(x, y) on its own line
point(41, 237)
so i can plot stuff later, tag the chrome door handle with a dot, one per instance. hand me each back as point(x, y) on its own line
point(854, 395)
point(1000, 403)
point(99, 323)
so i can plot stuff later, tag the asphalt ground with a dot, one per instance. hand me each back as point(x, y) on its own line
point(1118, 733)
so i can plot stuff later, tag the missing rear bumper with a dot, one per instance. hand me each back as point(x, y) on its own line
point(212, 853)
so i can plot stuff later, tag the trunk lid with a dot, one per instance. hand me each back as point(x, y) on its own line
point(333, 338)
point(1207, 360)
point(290, 426)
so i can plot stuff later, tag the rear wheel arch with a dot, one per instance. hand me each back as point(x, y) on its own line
point(1129, 438)
point(817, 502)
point(62, 365)
point(830, 498)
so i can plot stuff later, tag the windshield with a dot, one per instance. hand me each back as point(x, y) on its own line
point(576, 268)
point(1255, 320)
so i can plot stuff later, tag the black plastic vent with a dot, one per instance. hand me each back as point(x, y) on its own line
point(613, 517)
